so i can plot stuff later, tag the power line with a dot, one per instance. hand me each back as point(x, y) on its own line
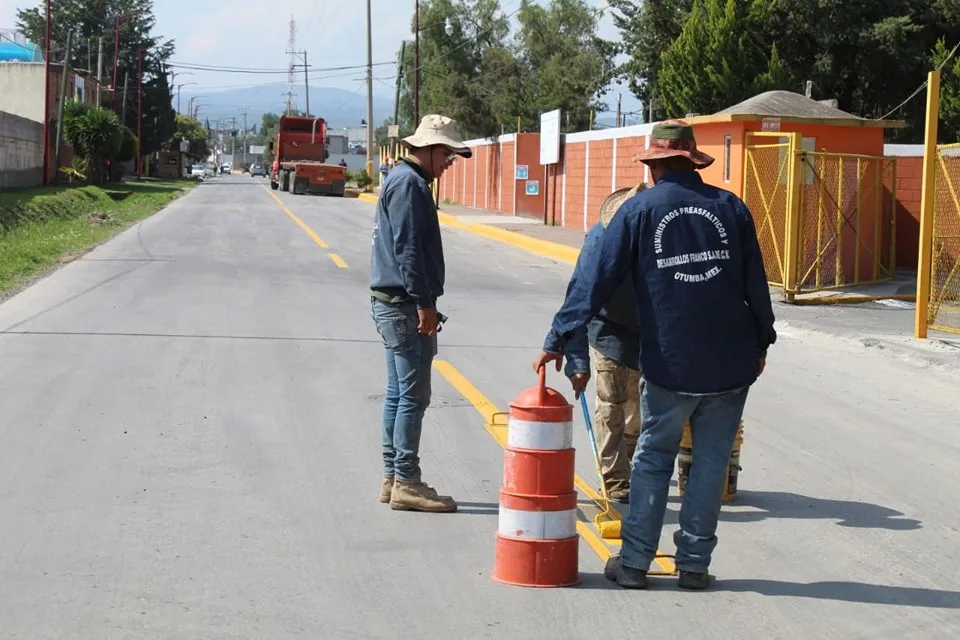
point(249, 70)
point(922, 86)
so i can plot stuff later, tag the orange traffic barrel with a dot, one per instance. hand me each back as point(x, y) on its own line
point(537, 544)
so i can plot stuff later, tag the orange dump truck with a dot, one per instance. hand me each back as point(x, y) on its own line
point(300, 154)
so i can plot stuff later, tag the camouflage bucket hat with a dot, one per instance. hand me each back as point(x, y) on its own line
point(673, 138)
point(615, 200)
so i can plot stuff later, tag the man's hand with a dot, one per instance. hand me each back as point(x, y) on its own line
point(579, 383)
point(761, 365)
point(428, 321)
point(544, 358)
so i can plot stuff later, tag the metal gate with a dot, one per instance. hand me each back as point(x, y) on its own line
point(847, 216)
point(768, 171)
point(943, 312)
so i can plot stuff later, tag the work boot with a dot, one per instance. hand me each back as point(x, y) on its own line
point(386, 489)
point(419, 496)
point(693, 580)
point(620, 494)
point(626, 577)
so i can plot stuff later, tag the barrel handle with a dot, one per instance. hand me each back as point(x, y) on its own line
point(542, 385)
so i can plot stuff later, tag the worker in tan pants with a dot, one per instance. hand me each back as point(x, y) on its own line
point(617, 419)
point(613, 358)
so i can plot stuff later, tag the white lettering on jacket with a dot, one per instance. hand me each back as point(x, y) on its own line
point(715, 255)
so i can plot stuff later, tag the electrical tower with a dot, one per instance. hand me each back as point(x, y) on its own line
point(291, 49)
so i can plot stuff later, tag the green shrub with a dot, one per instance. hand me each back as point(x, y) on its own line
point(60, 203)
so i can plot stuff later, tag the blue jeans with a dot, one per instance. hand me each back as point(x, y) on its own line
point(409, 360)
point(714, 421)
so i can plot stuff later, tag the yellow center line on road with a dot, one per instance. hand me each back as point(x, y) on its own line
point(300, 223)
point(498, 431)
point(337, 260)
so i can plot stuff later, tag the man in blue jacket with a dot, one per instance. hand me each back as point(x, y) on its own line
point(406, 280)
point(614, 360)
point(706, 322)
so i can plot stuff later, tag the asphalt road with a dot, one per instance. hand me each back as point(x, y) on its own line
point(189, 448)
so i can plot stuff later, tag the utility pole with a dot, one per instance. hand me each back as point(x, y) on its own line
point(99, 67)
point(370, 139)
point(416, 63)
point(619, 101)
point(396, 102)
point(63, 95)
point(46, 98)
point(306, 80)
point(89, 55)
point(139, 111)
point(123, 113)
point(244, 139)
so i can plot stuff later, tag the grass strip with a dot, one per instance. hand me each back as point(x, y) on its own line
point(41, 228)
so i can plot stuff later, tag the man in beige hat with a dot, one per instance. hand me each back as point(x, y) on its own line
point(406, 279)
point(614, 359)
point(706, 322)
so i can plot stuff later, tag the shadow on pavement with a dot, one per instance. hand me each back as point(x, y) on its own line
point(783, 504)
point(846, 592)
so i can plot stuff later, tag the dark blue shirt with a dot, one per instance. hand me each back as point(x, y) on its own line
point(701, 288)
point(614, 330)
point(407, 261)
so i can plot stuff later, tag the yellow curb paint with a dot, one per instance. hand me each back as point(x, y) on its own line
point(488, 411)
point(300, 223)
point(337, 260)
point(545, 248)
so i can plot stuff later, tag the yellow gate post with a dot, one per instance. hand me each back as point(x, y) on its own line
point(928, 197)
point(791, 252)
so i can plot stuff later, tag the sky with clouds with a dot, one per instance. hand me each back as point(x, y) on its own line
point(254, 33)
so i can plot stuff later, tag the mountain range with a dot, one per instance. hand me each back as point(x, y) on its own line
point(339, 107)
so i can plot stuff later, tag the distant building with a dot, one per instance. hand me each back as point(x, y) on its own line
point(338, 144)
point(22, 95)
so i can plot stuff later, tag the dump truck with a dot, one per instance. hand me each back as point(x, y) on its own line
point(300, 154)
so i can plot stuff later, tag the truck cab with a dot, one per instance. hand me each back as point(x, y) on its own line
point(300, 155)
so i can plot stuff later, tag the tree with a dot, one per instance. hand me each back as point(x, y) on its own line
point(459, 70)
point(647, 29)
point(563, 62)
point(719, 60)
point(949, 127)
point(94, 133)
point(91, 19)
point(191, 130)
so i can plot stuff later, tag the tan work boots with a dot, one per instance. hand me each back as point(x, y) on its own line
point(414, 496)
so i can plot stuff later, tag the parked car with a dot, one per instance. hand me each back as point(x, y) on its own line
point(258, 170)
point(197, 171)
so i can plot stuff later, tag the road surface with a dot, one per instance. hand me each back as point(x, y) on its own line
point(189, 448)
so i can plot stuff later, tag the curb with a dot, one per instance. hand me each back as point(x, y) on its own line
point(544, 248)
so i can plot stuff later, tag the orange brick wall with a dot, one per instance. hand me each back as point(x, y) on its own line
point(487, 181)
point(575, 155)
point(629, 173)
point(909, 171)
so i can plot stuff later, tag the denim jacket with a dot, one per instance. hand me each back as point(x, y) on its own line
point(614, 330)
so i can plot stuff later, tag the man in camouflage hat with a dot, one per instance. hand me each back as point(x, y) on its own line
point(706, 322)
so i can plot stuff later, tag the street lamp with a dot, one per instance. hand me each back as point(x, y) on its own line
point(448, 27)
point(180, 86)
point(116, 52)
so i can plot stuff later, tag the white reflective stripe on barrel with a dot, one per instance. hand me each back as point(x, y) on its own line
point(537, 525)
point(543, 436)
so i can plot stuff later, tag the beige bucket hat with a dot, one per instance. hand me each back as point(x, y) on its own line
point(438, 130)
point(615, 200)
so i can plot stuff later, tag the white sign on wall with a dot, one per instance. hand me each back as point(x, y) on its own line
point(550, 137)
